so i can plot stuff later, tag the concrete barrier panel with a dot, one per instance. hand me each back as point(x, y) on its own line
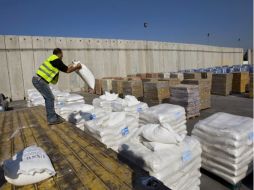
point(64, 79)
point(15, 68)
point(80, 55)
point(122, 57)
point(105, 52)
point(50, 45)
point(39, 51)
point(141, 56)
point(27, 60)
point(149, 56)
point(129, 67)
point(115, 69)
point(5, 86)
point(72, 54)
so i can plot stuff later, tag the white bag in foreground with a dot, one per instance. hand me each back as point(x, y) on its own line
point(28, 166)
point(86, 75)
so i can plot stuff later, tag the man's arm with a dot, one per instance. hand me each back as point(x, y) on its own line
point(66, 69)
point(72, 68)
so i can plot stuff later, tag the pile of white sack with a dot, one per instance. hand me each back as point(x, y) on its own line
point(105, 101)
point(34, 98)
point(130, 105)
point(111, 102)
point(168, 115)
point(111, 128)
point(75, 113)
point(227, 144)
point(175, 162)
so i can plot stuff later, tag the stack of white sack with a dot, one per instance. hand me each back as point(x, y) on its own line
point(175, 163)
point(172, 116)
point(105, 101)
point(34, 98)
point(130, 105)
point(74, 98)
point(62, 97)
point(74, 113)
point(111, 128)
point(227, 144)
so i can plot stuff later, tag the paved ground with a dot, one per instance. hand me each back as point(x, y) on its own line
point(233, 104)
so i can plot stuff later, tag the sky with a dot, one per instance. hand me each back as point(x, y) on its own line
point(180, 21)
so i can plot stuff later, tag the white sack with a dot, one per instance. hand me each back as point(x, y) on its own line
point(164, 113)
point(156, 161)
point(28, 166)
point(161, 134)
point(87, 76)
point(227, 126)
point(73, 97)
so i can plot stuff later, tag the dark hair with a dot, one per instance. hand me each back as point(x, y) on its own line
point(56, 51)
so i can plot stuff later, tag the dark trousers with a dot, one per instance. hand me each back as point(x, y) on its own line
point(43, 87)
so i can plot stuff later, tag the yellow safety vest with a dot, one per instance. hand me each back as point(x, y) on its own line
point(47, 71)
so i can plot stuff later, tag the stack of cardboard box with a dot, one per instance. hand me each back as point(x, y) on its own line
point(117, 87)
point(156, 92)
point(133, 87)
point(204, 91)
point(251, 85)
point(240, 81)
point(187, 96)
point(222, 84)
point(98, 86)
point(171, 82)
point(192, 75)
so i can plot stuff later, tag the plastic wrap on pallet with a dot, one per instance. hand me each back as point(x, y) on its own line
point(176, 165)
point(227, 143)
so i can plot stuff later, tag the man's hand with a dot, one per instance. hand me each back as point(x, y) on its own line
point(74, 67)
point(78, 67)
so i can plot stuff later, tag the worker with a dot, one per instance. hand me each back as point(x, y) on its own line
point(48, 73)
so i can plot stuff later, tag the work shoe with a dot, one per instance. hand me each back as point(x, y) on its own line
point(59, 117)
point(57, 121)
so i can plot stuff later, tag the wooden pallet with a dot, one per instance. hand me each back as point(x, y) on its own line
point(205, 108)
point(80, 161)
point(222, 181)
point(192, 116)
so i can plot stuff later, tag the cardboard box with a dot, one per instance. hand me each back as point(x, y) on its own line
point(141, 75)
point(222, 84)
point(207, 75)
point(98, 86)
point(192, 75)
point(251, 85)
point(133, 87)
point(240, 81)
point(171, 82)
point(117, 87)
point(152, 75)
point(204, 91)
point(186, 95)
point(156, 92)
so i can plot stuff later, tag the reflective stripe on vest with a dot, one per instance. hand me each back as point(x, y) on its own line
point(47, 71)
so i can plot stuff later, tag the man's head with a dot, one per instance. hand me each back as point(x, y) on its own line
point(58, 52)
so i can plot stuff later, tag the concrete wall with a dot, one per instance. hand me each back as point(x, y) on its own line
point(20, 56)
